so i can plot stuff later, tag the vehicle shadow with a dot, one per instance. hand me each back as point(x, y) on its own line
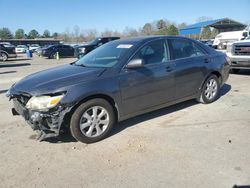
point(66, 137)
point(225, 89)
point(241, 186)
point(14, 65)
point(168, 110)
point(8, 72)
point(151, 115)
point(242, 72)
point(19, 59)
point(3, 91)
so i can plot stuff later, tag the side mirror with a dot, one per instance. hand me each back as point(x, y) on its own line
point(135, 63)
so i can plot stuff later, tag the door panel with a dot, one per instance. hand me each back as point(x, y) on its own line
point(191, 65)
point(146, 87)
point(189, 74)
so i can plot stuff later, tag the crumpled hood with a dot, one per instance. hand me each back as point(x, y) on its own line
point(53, 79)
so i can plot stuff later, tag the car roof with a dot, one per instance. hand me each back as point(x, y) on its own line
point(149, 38)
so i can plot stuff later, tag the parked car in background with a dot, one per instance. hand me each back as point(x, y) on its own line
point(39, 50)
point(7, 51)
point(63, 50)
point(207, 42)
point(21, 48)
point(84, 49)
point(117, 81)
point(239, 53)
point(224, 38)
point(33, 47)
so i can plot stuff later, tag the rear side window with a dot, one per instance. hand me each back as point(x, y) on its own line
point(181, 48)
point(153, 52)
point(66, 47)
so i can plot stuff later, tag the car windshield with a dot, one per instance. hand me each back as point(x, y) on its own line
point(105, 56)
point(94, 42)
point(21, 46)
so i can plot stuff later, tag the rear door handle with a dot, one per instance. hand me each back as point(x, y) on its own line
point(169, 68)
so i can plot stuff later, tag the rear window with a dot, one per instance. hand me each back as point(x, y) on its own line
point(181, 48)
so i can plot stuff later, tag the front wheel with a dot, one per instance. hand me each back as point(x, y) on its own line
point(4, 56)
point(210, 90)
point(92, 121)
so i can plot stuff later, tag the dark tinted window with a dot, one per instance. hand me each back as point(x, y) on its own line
point(58, 47)
point(181, 48)
point(66, 47)
point(153, 52)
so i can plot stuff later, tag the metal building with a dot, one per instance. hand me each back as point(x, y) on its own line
point(40, 41)
point(222, 25)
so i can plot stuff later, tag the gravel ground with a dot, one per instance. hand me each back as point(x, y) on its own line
point(186, 145)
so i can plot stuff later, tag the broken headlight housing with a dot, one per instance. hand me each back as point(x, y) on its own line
point(43, 102)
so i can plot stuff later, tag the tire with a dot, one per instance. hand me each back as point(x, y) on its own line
point(210, 90)
point(52, 56)
point(84, 125)
point(235, 71)
point(220, 46)
point(4, 56)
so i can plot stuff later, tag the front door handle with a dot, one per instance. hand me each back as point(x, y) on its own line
point(206, 60)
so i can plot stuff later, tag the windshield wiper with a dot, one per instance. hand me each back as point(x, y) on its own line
point(80, 65)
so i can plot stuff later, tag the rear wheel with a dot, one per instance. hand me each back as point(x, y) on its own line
point(4, 56)
point(52, 56)
point(92, 121)
point(210, 90)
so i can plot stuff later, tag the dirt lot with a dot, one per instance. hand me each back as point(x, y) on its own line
point(186, 145)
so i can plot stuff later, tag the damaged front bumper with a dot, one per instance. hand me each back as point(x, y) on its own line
point(47, 123)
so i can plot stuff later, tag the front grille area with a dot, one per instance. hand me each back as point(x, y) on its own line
point(242, 50)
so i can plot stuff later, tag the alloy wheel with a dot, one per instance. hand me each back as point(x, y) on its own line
point(94, 121)
point(211, 89)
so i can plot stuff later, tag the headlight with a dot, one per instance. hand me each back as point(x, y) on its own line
point(82, 50)
point(43, 102)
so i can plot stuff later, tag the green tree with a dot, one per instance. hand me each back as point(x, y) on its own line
point(214, 32)
point(33, 34)
point(206, 33)
point(46, 33)
point(161, 24)
point(147, 29)
point(172, 30)
point(55, 35)
point(163, 31)
point(19, 34)
point(5, 33)
point(182, 25)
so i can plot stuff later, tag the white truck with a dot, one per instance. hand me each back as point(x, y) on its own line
point(239, 54)
point(223, 39)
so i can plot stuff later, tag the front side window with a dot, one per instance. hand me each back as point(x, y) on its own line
point(181, 48)
point(153, 52)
